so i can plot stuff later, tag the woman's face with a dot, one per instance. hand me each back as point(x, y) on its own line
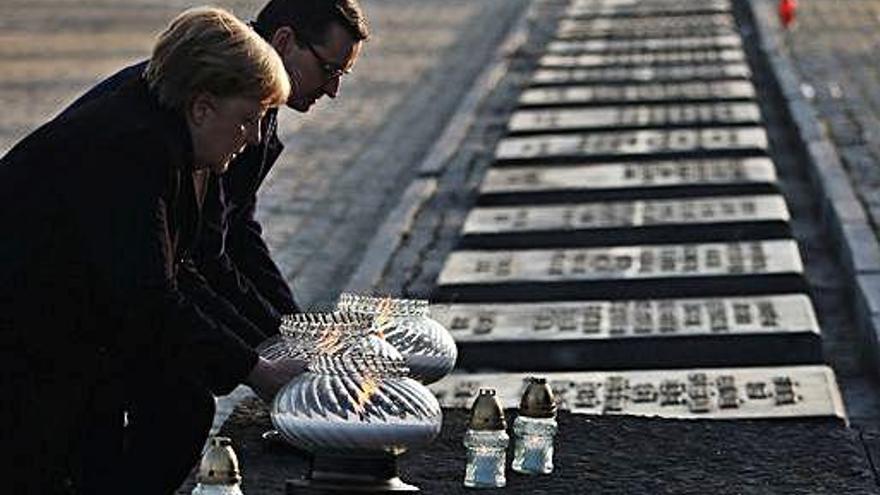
point(222, 127)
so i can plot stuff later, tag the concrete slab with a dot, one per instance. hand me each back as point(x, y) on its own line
point(634, 334)
point(648, 27)
point(571, 96)
point(688, 57)
point(633, 117)
point(601, 9)
point(622, 272)
point(549, 183)
point(719, 218)
point(656, 144)
point(606, 75)
point(611, 45)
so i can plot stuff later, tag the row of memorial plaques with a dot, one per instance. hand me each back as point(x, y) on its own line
point(559, 120)
point(654, 143)
point(645, 45)
point(728, 56)
point(659, 73)
point(717, 393)
point(637, 93)
point(786, 321)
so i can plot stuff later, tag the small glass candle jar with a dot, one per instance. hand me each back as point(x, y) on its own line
point(486, 442)
point(534, 430)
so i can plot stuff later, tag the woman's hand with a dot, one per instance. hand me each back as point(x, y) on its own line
point(267, 377)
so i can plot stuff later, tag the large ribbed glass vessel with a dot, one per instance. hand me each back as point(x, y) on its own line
point(355, 408)
point(427, 346)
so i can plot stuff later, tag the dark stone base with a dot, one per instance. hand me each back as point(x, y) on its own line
point(617, 455)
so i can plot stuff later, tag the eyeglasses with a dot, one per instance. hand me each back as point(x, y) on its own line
point(331, 70)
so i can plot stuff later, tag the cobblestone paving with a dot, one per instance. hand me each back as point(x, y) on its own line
point(345, 162)
point(834, 46)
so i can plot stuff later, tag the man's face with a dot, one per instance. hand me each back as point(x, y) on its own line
point(315, 69)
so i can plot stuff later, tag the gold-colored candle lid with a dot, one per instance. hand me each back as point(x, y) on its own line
point(538, 401)
point(486, 413)
point(219, 465)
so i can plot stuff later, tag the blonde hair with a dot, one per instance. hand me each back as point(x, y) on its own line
point(209, 49)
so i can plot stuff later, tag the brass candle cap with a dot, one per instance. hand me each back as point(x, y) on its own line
point(486, 413)
point(538, 401)
point(219, 465)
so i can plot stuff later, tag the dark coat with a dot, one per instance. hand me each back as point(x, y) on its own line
point(231, 253)
point(98, 210)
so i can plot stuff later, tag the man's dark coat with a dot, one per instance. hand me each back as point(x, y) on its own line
point(98, 210)
point(231, 253)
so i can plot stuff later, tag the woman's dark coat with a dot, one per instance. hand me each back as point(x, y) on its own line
point(96, 209)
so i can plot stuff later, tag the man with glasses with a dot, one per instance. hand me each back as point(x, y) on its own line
point(231, 273)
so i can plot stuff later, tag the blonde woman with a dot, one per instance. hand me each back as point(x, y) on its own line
point(109, 366)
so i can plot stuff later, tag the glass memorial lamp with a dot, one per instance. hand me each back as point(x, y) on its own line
point(427, 346)
point(354, 409)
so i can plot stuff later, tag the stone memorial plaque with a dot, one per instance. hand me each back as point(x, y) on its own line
point(650, 179)
point(633, 117)
point(620, 272)
point(648, 333)
point(623, 4)
point(627, 176)
point(602, 9)
point(639, 143)
point(647, 27)
point(718, 42)
point(728, 56)
point(716, 393)
point(637, 93)
point(663, 73)
point(631, 319)
point(606, 223)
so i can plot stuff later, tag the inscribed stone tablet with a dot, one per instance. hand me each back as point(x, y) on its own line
point(680, 213)
point(624, 4)
point(620, 263)
point(648, 27)
point(623, 117)
point(683, 73)
point(640, 59)
point(518, 180)
point(660, 93)
point(600, 9)
point(591, 145)
point(716, 393)
point(646, 44)
point(567, 321)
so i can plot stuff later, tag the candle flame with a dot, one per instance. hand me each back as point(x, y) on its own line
point(383, 316)
point(367, 389)
point(329, 341)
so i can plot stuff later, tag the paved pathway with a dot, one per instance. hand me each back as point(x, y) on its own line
point(834, 46)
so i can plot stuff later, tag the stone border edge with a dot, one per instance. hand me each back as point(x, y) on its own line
point(842, 213)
